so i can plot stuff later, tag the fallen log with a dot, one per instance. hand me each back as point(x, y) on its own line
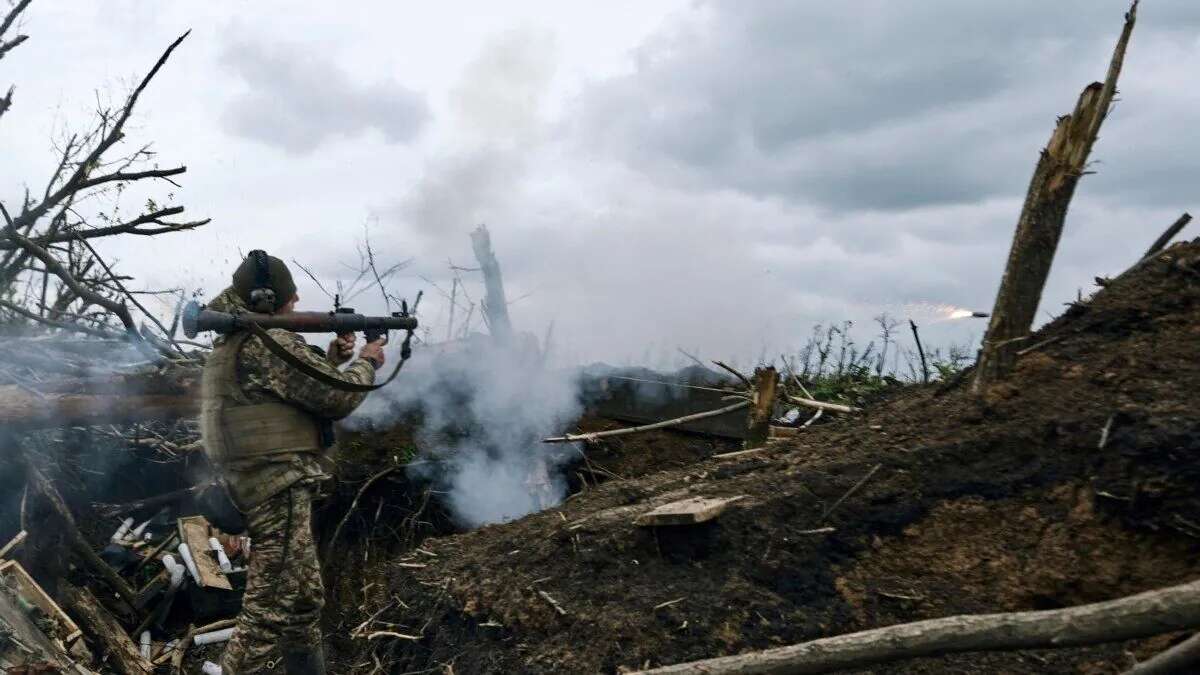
point(571, 438)
point(1138, 616)
point(105, 632)
point(25, 410)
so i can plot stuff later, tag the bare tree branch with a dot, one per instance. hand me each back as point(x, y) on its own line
point(7, 23)
point(125, 291)
point(80, 178)
point(76, 327)
point(130, 227)
point(92, 297)
point(11, 18)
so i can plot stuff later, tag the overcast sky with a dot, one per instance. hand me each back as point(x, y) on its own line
point(715, 175)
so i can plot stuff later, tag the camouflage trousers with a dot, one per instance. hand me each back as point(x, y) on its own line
point(284, 594)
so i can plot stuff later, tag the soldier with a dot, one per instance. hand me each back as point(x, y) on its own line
point(266, 428)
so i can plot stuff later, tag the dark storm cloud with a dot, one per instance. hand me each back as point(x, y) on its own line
point(878, 104)
point(296, 100)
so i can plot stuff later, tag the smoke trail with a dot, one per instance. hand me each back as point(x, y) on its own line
point(483, 410)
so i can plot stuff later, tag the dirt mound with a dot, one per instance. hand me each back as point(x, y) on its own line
point(1078, 480)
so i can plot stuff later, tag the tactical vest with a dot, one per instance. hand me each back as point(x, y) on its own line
point(233, 428)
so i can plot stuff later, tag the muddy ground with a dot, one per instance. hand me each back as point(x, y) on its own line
point(1016, 500)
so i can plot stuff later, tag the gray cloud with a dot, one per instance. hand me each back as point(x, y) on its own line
point(296, 100)
point(881, 105)
point(497, 126)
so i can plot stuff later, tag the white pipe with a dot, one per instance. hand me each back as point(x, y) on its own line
point(122, 530)
point(145, 644)
point(174, 569)
point(137, 533)
point(186, 554)
point(214, 637)
point(222, 559)
point(210, 668)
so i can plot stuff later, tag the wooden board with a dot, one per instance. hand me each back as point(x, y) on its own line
point(195, 531)
point(14, 618)
point(32, 592)
point(686, 511)
point(784, 432)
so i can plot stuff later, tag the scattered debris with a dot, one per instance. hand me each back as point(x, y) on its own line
point(553, 603)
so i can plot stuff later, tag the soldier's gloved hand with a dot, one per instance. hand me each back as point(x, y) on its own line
point(373, 352)
point(341, 349)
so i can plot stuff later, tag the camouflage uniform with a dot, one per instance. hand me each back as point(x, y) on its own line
point(284, 594)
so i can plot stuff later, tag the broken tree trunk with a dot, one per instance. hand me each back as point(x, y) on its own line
point(82, 548)
point(762, 406)
point(920, 351)
point(496, 308)
point(1146, 614)
point(105, 632)
point(1040, 225)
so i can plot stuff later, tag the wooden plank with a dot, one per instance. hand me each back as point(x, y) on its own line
point(195, 531)
point(33, 593)
point(686, 511)
point(13, 544)
point(22, 627)
point(784, 432)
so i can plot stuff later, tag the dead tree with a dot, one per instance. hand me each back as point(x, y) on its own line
point(496, 306)
point(1062, 164)
point(1146, 614)
point(47, 236)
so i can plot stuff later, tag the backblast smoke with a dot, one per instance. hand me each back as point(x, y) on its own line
point(480, 412)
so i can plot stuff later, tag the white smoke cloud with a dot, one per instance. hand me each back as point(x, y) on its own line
point(483, 410)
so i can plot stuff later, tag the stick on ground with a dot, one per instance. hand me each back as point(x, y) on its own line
point(571, 438)
point(1146, 614)
point(1182, 658)
point(857, 486)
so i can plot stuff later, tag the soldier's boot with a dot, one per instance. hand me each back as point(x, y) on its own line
point(306, 660)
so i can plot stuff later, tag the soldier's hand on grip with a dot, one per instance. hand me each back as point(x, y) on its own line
point(341, 349)
point(373, 352)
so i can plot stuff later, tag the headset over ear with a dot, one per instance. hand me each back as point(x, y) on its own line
point(262, 296)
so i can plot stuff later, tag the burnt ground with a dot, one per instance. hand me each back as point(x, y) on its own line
point(1008, 501)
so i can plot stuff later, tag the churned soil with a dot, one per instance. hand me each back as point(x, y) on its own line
point(1077, 480)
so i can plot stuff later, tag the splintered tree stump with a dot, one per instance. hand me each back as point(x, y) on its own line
point(1040, 226)
point(496, 305)
point(766, 381)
